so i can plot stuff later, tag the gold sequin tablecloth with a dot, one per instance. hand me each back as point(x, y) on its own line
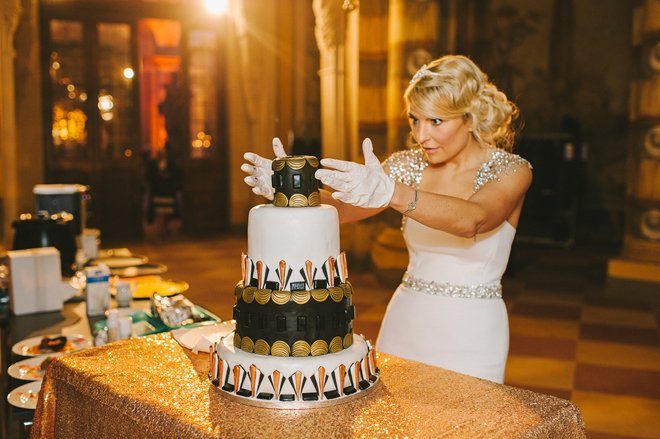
point(151, 387)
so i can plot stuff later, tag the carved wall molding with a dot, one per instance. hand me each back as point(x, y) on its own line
point(329, 16)
point(10, 11)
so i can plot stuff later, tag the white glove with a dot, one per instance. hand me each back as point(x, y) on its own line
point(260, 173)
point(360, 185)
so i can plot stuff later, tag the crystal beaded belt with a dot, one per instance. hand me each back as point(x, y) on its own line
point(480, 291)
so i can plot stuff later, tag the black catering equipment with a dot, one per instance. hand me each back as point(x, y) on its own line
point(45, 230)
point(55, 198)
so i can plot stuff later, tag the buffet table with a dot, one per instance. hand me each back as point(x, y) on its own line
point(152, 387)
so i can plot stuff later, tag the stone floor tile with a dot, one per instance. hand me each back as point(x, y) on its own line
point(546, 310)
point(539, 372)
point(618, 316)
point(619, 334)
point(619, 355)
point(616, 414)
point(542, 327)
point(617, 380)
point(542, 347)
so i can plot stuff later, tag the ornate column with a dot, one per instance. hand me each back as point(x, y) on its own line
point(29, 106)
point(252, 93)
point(336, 37)
point(413, 40)
point(638, 269)
point(9, 14)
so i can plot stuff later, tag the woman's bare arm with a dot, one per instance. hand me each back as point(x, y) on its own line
point(484, 211)
point(347, 212)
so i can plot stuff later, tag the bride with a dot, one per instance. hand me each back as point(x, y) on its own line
point(460, 191)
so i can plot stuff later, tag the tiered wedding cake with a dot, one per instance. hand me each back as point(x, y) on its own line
point(294, 344)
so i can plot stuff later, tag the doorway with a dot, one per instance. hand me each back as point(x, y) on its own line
point(134, 108)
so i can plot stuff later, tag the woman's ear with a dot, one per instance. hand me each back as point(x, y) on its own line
point(468, 121)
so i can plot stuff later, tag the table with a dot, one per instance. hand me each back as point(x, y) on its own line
point(72, 319)
point(152, 387)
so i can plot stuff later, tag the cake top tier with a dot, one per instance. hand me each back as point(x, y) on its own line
point(294, 181)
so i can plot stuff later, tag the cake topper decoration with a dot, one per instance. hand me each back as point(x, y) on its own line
point(342, 378)
point(321, 380)
point(343, 267)
point(260, 272)
point(244, 268)
point(237, 375)
point(276, 383)
point(253, 379)
point(331, 269)
point(282, 274)
point(294, 182)
point(310, 275)
point(298, 379)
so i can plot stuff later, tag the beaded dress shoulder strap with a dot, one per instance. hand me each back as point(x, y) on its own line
point(407, 166)
point(500, 162)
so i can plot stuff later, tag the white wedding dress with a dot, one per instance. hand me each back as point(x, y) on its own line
point(448, 311)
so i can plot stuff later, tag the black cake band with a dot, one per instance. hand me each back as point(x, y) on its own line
point(294, 181)
point(303, 317)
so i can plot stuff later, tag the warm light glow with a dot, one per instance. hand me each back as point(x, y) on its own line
point(217, 7)
point(70, 87)
point(106, 103)
point(128, 73)
point(56, 65)
point(203, 140)
point(107, 116)
point(68, 126)
point(83, 96)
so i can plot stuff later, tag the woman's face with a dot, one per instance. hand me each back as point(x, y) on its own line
point(441, 139)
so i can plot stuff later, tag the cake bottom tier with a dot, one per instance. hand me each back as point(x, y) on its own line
point(293, 382)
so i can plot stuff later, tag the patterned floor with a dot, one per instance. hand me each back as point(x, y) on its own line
point(567, 338)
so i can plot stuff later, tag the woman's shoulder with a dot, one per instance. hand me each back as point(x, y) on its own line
point(500, 163)
point(406, 166)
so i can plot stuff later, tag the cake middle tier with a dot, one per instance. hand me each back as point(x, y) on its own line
point(298, 323)
point(294, 236)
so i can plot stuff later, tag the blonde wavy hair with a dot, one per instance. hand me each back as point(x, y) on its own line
point(455, 87)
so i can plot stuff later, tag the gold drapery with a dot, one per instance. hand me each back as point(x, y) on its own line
point(151, 387)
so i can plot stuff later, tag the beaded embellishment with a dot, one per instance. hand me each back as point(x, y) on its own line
point(407, 166)
point(500, 162)
point(479, 291)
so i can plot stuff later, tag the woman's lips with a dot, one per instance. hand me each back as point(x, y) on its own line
point(427, 149)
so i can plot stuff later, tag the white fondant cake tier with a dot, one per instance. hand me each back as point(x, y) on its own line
point(353, 367)
point(294, 235)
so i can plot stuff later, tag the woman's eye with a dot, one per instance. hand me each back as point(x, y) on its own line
point(413, 121)
point(436, 121)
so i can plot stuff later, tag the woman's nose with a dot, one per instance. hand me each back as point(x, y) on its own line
point(421, 133)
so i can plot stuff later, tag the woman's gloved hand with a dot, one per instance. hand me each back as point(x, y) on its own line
point(260, 172)
point(360, 185)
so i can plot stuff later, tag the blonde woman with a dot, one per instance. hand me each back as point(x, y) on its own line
point(461, 192)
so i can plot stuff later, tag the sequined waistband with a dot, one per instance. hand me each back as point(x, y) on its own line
point(480, 291)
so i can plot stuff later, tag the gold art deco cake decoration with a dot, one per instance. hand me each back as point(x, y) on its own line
point(261, 347)
point(319, 347)
point(300, 348)
point(280, 297)
point(336, 344)
point(280, 349)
